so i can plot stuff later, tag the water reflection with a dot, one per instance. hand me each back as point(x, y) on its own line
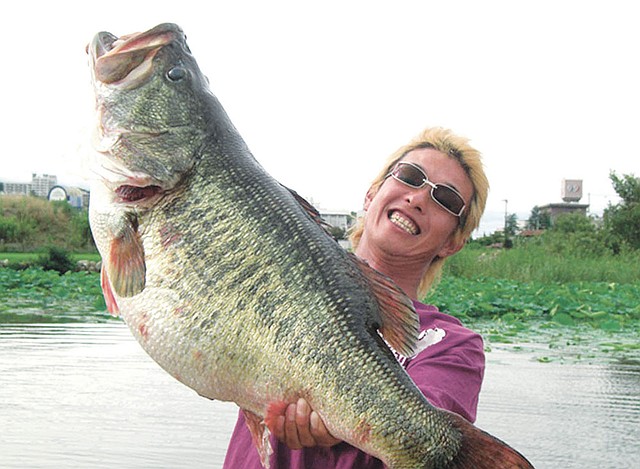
point(563, 415)
point(86, 395)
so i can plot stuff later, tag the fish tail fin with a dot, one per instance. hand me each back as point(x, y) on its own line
point(481, 450)
point(259, 435)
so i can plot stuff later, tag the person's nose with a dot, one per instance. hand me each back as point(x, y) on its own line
point(418, 199)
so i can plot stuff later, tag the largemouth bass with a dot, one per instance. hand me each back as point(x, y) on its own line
point(230, 283)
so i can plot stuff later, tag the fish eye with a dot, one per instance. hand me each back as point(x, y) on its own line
point(177, 73)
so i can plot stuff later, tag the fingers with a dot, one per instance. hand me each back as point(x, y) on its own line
point(291, 438)
point(300, 427)
point(303, 423)
point(278, 428)
point(319, 431)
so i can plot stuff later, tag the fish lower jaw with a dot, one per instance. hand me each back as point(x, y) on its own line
point(404, 223)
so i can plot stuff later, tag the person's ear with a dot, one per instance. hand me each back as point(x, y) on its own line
point(453, 245)
point(369, 198)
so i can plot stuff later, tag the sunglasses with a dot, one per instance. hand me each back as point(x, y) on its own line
point(413, 176)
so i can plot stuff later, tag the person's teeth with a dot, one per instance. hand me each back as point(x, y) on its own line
point(404, 223)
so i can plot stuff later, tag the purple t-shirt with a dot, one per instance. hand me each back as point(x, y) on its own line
point(448, 369)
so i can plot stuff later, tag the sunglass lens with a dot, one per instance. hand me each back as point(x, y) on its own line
point(448, 198)
point(409, 175)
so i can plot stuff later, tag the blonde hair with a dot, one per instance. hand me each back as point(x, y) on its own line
point(457, 147)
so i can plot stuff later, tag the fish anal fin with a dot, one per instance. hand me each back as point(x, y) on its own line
point(399, 321)
point(126, 267)
point(480, 450)
point(109, 298)
point(259, 435)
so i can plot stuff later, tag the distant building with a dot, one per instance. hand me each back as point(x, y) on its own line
point(76, 197)
point(17, 188)
point(571, 192)
point(46, 186)
point(561, 208)
point(40, 186)
point(338, 219)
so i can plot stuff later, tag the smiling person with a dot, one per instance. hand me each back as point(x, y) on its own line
point(420, 209)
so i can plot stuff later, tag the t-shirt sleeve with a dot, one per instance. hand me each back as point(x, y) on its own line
point(450, 372)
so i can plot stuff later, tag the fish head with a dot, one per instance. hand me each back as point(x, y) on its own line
point(150, 117)
point(154, 115)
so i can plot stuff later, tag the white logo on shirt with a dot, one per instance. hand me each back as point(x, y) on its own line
point(426, 339)
point(429, 337)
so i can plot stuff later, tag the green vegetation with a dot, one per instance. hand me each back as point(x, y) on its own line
point(547, 259)
point(608, 306)
point(25, 259)
point(57, 259)
point(570, 293)
point(32, 223)
point(37, 296)
point(580, 302)
point(622, 221)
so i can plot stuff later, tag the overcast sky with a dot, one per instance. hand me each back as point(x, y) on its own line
point(324, 91)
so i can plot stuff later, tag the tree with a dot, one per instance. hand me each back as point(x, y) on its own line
point(337, 233)
point(538, 220)
point(574, 223)
point(573, 234)
point(510, 229)
point(622, 221)
point(512, 225)
point(627, 187)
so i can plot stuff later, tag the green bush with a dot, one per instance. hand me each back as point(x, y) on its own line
point(32, 223)
point(57, 259)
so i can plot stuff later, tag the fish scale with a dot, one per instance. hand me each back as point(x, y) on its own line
point(229, 282)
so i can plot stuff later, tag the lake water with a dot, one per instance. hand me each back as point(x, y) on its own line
point(86, 395)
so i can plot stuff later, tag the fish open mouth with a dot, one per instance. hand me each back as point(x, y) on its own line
point(127, 186)
point(129, 58)
point(130, 194)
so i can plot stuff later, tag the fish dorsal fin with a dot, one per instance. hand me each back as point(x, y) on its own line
point(126, 268)
point(310, 209)
point(399, 322)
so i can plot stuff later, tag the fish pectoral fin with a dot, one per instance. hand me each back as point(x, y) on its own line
point(259, 435)
point(107, 292)
point(399, 323)
point(126, 266)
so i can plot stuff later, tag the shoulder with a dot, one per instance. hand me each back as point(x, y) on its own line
point(443, 331)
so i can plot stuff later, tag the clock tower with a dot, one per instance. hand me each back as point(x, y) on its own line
point(571, 190)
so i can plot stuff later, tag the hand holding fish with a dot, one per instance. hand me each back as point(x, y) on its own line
point(300, 426)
